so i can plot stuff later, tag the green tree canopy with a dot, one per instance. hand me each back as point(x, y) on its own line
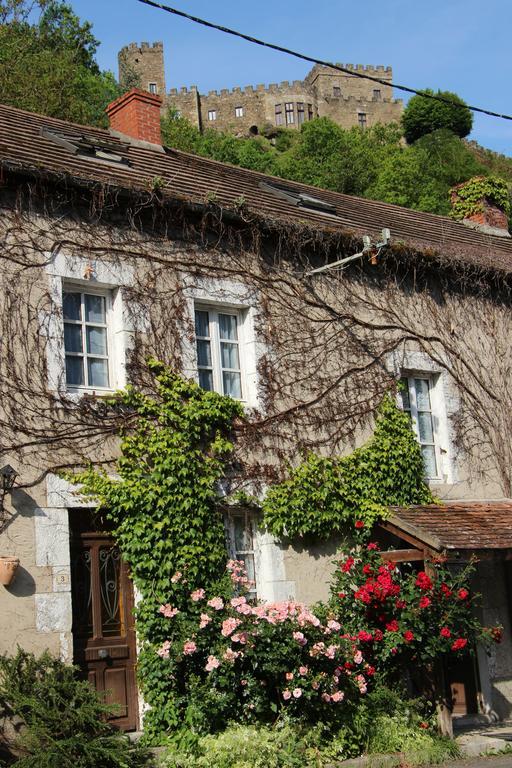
point(47, 62)
point(423, 115)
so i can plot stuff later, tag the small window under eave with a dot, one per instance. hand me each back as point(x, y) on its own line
point(299, 199)
point(88, 146)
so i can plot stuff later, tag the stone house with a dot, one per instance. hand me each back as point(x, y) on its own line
point(346, 98)
point(115, 247)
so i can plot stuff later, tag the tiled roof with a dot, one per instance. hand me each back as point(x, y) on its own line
point(24, 147)
point(461, 525)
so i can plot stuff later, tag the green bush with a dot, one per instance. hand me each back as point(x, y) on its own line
point(423, 115)
point(60, 721)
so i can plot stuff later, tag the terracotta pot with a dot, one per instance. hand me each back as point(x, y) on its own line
point(8, 567)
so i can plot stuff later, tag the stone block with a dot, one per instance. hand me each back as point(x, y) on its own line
point(53, 612)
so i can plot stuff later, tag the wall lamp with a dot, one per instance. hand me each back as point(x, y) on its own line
point(8, 477)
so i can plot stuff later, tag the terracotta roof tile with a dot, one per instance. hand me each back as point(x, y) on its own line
point(195, 179)
point(461, 525)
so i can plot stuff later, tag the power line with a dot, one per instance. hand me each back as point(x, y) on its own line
point(311, 59)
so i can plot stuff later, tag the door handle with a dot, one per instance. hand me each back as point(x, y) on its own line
point(103, 653)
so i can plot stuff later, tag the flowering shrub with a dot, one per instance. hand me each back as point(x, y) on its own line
point(400, 614)
point(226, 658)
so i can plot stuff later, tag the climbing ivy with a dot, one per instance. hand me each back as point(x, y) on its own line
point(163, 505)
point(322, 495)
point(469, 196)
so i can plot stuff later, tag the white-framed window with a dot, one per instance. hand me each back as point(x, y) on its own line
point(153, 88)
point(239, 111)
point(212, 114)
point(417, 400)
point(241, 527)
point(86, 314)
point(218, 333)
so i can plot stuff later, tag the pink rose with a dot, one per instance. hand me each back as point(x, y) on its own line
point(177, 576)
point(299, 637)
point(230, 655)
point(168, 611)
point(212, 663)
point(297, 693)
point(303, 670)
point(326, 697)
point(205, 620)
point(358, 657)
point(229, 626)
point(216, 603)
point(197, 595)
point(189, 648)
point(289, 675)
point(163, 651)
point(338, 696)
point(333, 625)
point(287, 695)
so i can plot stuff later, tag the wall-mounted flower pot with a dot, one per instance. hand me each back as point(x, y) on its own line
point(8, 567)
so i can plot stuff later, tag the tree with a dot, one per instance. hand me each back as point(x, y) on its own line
point(423, 115)
point(47, 62)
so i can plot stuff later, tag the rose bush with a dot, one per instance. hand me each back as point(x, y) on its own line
point(227, 658)
point(402, 615)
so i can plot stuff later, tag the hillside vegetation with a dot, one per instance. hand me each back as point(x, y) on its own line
point(374, 163)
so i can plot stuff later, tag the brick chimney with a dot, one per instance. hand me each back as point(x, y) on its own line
point(487, 216)
point(137, 114)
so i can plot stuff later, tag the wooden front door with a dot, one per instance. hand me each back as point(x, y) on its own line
point(103, 625)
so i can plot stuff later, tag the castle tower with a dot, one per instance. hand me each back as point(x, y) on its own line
point(143, 66)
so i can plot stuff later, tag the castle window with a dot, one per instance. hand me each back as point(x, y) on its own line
point(153, 88)
point(376, 94)
point(212, 114)
point(336, 91)
point(239, 111)
point(300, 112)
point(279, 114)
point(361, 119)
point(310, 112)
point(288, 110)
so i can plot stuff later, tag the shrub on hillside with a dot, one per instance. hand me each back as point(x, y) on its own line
point(423, 115)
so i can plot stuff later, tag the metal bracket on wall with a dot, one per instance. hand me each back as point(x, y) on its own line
point(369, 248)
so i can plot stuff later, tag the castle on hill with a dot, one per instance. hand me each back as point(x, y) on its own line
point(345, 98)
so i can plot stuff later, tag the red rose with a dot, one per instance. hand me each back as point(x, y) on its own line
point(462, 594)
point(459, 644)
point(347, 565)
point(365, 637)
point(372, 545)
point(408, 636)
point(341, 595)
point(367, 569)
point(392, 626)
point(423, 724)
point(497, 634)
point(377, 635)
point(370, 671)
point(423, 581)
point(446, 590)
point(425, 602)
point(445, 632)
point(400, 604)
point(359, 524)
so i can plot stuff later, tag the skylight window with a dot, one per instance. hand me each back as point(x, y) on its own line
point(88, 146)
point(300, 199)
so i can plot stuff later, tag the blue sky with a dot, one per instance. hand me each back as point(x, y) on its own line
point(457, 45)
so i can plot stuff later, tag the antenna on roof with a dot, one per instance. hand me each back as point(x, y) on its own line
point(372, 249)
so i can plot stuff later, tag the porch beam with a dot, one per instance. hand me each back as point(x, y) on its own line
point(403, 555)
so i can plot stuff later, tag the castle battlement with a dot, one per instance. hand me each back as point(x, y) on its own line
point(132, 47)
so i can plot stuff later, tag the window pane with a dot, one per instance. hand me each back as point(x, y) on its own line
point(232, 384)
point(206, 380)
point(94, 309)
point(404, 394)
point(71, 306)
point(425, 427)
point(243, 537)
point(422, 394)
point(429, 460)
point(96, 341)
point(202, 324)
point(228, 327)
point(248, 560)
point(73, 338)
point(74, 371)
point(98, 372)
point(229, 355)
point(204, 353)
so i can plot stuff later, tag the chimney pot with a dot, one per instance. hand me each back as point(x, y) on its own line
point(137, 114)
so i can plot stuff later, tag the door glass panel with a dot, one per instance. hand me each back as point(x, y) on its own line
point(72, 306)
point(110, 592)
point(94, 309)
point(82, 593)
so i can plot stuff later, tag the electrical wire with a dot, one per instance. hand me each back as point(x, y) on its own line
point(311, 59)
